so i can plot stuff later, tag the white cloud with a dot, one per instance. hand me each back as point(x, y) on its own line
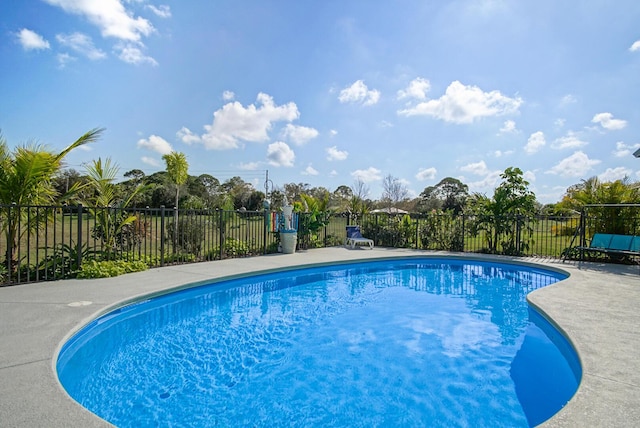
point(299, 135)
point(535, 142)
point(500, 153)
point(509, 127)
point(576, 165)
point(333, 154)
point(426, 174)
point(280, 154)
point(417, 89)
point(156, 144)
point(163, 11)
point(623, 149)
point(82, 44)
point(132, 54)
point(358, 92)
point(234, 123)
point(333, 133)
point(465, 104)
point(613, 174)
point(385, 124)
point(113, 19)
point(367, 175)
point(63, 60)
point(607, 121)
point(530, 176)
point(635, 47)
point(568, 99)
point(228, 95)
point(31, 40)
point(559, 122)
point(150, 161)
point(249, 166)
point(309, 170)
point(488, 183)
point(333, 173)
point(188, 137)
point(551, 195)
point(477, 168)
point(570, 141)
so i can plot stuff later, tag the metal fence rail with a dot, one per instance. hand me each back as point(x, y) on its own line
point(40, 243)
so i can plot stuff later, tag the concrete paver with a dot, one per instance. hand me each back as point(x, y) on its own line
point(596, 307)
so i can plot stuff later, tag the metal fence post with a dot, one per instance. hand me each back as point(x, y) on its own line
point(463, 232)
point(583, 240)
point(221, 233)
point(161, 235)
point(9, 255)
point(417, 231)
point(266, 225)
point(375, 235)
point(518, 231)
point(79, 243)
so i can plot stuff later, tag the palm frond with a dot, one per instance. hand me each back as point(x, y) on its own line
point(89, 137)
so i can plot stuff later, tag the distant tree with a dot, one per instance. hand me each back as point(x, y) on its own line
point(411, 205)
point(254, 202)
point(67, 179)
point(212, 190)
point(393, 191)
point(319, 193)
point(293, 191)
point(359, 203)
point(135, 174)
point(160, 178)
point(277, 199)
point(239, 191)
point(340, 198)
point(450, 194)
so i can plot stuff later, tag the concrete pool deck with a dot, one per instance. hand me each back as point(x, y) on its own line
point(597, 308)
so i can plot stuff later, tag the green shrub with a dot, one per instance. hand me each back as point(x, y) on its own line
point(232, 248)
point(63, 263)
point(179, 257)
point(333, 241)
point(442, 231)
point(3, 272)
point(149, 260)
point(189, 237)
point(106, 269)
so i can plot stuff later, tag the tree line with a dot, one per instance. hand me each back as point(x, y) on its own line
point(32, 175)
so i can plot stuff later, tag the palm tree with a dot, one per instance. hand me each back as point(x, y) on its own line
point(26, 178)
point(603, 218)
point(177, 170)
point(107, 205)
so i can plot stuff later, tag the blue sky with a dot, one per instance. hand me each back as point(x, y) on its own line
point(330, 92)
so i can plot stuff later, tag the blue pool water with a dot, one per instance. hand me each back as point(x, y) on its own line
point(412, 342)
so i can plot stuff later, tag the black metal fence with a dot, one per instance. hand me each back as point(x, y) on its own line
point(41, 243)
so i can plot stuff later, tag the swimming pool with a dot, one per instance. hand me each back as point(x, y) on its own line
point(401, 342)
